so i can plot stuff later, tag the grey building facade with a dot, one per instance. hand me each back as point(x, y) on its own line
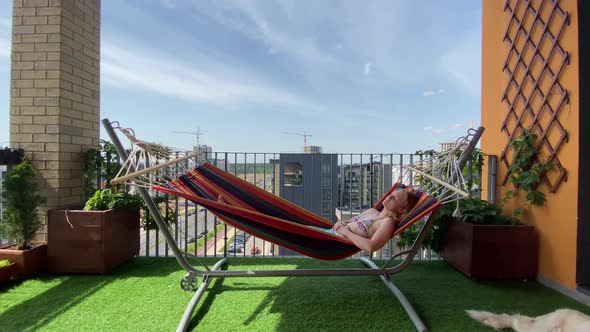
point(309, 180)
point(362, 185)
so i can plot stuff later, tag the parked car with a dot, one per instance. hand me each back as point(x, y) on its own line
point(237, 248)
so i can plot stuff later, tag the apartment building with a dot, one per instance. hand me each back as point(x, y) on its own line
point(309, 180)
point(361, 185)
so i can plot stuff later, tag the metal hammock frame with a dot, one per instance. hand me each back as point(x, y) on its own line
point(424, 169)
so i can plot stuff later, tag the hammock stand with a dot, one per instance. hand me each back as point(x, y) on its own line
point(190, 280)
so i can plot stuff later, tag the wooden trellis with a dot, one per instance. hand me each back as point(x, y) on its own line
point(534, 94)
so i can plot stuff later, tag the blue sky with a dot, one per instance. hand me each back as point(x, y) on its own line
point(359, 76)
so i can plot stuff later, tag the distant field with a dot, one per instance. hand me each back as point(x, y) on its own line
point(250, 168)
point(256, 178)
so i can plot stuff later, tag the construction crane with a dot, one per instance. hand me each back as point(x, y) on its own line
point(304, 134)
point(197, 134)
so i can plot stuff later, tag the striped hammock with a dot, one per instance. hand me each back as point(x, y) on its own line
point(272, 218)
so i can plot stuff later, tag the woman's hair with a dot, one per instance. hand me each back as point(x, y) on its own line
point(411, 200)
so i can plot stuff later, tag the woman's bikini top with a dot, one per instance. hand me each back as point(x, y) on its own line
point(365, 223)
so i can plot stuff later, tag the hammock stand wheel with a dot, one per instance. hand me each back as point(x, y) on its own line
point(189, 282)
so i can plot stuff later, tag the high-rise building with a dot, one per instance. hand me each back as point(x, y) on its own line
point(362, 185)
point(309, 180)
point(312, 149)
point(444, 146)
point(209, 156)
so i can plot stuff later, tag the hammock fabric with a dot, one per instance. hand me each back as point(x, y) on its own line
point(272, 218)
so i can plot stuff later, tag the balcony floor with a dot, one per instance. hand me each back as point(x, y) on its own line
point(144, 295)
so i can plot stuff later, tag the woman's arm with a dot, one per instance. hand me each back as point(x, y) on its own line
point(377, 241)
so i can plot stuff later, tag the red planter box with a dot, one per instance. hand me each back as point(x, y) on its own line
point(6, 273)
point(28, 262)
point(491, 251)
point(91, 241)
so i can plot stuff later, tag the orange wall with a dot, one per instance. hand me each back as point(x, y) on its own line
point(556, 221)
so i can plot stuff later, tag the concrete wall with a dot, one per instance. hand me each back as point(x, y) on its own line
point(54, 96)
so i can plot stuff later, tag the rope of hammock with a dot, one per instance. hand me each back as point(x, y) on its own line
point(149, 162)
point(440, 172)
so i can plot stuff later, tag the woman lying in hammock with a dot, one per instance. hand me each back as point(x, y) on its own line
point(372, 229)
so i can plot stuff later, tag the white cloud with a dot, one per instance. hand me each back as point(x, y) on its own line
point(170, 4)
point(429, 93)
point(433, 130)
point(256, 21)
point(323, 38)
point(367, 70)
point(212, 83)
point(462, 63)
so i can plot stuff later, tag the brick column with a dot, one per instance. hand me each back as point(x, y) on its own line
point(54, 96)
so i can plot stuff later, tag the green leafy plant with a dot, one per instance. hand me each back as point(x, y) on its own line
point(476, 211)
point(20, 220)
point(526, 171)
point(472, 168)
point(296, 181)
point(473, 210)
point(101, 164)
point(168, 214)
point(108, 199)
point(4, 263)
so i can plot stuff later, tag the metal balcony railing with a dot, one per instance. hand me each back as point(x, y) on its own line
point(198, 232)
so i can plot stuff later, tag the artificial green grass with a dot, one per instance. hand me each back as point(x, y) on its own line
point(144, 295)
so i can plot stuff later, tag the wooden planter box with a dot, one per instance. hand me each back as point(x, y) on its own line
point(491, 251)
point(28, 262)
point(6, 273)
point(92, 241)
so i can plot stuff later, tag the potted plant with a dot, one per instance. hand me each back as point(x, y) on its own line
point(7, 269)
point(105, 233)
point(481, 241)
point(97, 238)
point(485, 244)
point(20, 221)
